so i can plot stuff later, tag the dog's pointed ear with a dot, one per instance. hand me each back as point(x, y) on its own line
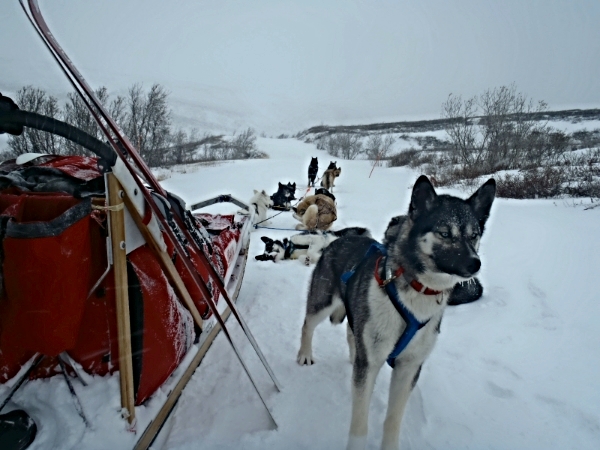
point(255, 191)
point(481, 201)
point(266, 239)
point(423, 197)
point(263, 192)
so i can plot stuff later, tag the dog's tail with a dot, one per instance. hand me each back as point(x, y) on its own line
point(311, 217)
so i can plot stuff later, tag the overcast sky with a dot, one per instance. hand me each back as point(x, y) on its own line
point(281, 66)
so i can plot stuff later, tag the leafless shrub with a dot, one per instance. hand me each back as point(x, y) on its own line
point(535, 183)
point(499, 130)
point(343, 145)
point(243, 146)
point(377, 148)
point(403, 158)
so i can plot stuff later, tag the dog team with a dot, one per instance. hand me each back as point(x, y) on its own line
point(393, 294)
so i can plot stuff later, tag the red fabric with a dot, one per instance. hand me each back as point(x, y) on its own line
point(43, 305)
point(168, 327)
point(81, 167)
point(224, 253)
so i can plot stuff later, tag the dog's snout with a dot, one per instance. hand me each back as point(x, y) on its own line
point(474, 266)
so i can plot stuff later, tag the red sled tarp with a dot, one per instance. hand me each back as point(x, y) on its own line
point(53, 252)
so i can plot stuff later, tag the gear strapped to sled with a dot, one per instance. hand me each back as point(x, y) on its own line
point(412, 323)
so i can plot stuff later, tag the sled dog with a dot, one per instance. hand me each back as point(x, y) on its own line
point(463, 292)
point(307, 246)
point(313, 168)
point(259, 204)
point(324, 191)
point(329, 177)
point(282, 199)
point(394, 295)
point(315, 212)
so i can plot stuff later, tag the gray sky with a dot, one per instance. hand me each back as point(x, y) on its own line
point(281, 66)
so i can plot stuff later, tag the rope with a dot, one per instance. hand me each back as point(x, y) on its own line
point(271, 228)
point(275, 215)
point(113, 208)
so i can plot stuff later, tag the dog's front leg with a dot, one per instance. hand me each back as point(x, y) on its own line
point(363, 382)
point(351, 343)
point(404, 378)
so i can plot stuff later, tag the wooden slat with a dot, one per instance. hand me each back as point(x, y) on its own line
point(117, 232)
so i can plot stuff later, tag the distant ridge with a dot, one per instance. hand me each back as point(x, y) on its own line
point(575, 115)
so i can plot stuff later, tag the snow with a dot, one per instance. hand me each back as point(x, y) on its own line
point(518, 369)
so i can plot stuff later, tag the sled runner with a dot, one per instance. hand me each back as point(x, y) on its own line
point(131, 280)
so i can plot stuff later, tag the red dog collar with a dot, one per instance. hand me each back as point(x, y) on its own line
point(413, 283)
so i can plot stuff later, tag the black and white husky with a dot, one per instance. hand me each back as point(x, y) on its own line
point(394, 295)
point(307, 246)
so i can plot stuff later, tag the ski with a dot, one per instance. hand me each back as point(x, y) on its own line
point(123, 147)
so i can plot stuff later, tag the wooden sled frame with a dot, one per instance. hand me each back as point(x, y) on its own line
point(117, 200)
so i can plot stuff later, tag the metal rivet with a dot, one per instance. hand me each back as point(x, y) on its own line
point(135, 191)
point(121, 194)
point(122, 245)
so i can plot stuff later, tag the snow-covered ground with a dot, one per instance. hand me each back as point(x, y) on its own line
point(516, 370)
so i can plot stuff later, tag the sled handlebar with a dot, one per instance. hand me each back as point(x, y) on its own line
point(16, 119)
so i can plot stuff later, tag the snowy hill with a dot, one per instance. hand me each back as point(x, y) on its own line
point(516, 370)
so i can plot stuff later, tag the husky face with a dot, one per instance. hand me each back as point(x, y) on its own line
point(441, 233)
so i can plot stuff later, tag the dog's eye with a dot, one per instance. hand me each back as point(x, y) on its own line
point(474, 235)
point(444, 234)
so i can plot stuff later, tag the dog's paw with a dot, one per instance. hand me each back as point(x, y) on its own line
point(306, 261)
point(304, 359)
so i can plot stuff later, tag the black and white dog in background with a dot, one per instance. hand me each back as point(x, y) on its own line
point(307, 246)
point(282, 199)
point(313, 168)
point(395, 294)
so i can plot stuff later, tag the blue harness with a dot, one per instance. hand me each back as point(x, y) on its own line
point(412, 324)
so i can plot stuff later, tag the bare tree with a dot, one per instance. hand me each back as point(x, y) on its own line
point(35, 141)
point(77, 114)
point(148, 122)
point(343, 145)
point(499, 130)
point(462, 128)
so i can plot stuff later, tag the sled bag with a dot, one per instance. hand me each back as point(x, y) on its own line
point(46, 272)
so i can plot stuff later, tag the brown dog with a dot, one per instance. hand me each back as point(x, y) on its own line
point(329, 176)
point(316, 212)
